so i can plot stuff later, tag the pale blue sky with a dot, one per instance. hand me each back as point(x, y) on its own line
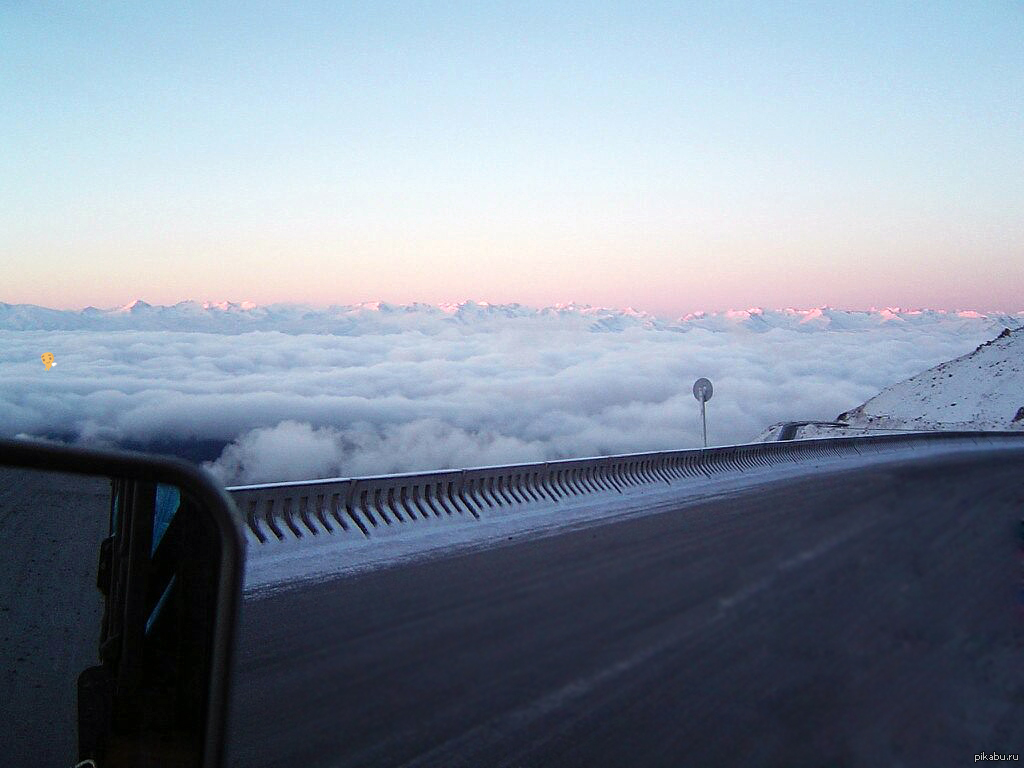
point(672, 157)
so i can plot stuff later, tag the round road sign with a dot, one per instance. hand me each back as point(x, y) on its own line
point(702, 390)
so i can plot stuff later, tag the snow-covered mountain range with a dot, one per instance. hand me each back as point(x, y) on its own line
point(377, 317)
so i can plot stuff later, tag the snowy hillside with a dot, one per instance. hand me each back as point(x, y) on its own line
point(983, 389)
point(980, 390)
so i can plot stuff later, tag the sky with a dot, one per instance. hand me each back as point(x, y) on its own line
point(667, 156)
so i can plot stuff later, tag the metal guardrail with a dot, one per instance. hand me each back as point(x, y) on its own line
point(364, 506)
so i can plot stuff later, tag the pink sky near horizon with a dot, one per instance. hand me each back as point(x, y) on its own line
point(668, 278)
point(660, 286)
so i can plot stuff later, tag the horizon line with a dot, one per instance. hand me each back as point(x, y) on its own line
point(247, 305)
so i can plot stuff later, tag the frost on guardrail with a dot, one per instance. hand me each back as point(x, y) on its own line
point(366, 506)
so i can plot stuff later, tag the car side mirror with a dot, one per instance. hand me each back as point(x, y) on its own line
point(120, 581)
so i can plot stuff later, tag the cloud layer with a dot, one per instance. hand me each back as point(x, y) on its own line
point(373, 389)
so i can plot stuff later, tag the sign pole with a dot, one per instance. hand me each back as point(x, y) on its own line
point(704, 422)
point(702, 390)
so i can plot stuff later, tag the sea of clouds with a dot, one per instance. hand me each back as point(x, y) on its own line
point(291, 392)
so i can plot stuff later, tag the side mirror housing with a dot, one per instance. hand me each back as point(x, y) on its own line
point(160, 556)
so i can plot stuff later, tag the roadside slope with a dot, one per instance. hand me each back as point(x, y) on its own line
point(982, 390)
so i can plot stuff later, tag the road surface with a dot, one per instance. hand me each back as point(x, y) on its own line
point(865, 617)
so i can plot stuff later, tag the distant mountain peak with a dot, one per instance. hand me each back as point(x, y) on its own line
point(137, 305)
point(227, 306)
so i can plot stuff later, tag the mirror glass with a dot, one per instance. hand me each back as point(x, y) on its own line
point(51, 525)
